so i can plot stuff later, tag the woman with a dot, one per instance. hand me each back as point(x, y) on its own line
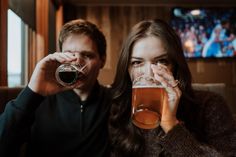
point(193, 123)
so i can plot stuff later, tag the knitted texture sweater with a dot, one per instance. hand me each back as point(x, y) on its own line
point(216, 138)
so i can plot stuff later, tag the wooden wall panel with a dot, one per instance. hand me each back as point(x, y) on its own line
point(151, 2)
point(59, 23)
point(38, 39)
point(3, 42)
point(42, 12)
point(31, 52)
point(213, 71)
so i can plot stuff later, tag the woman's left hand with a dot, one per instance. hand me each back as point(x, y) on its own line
point(173, 93)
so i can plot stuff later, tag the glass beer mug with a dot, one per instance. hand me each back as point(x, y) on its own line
point(147, 100)
point(69, 74)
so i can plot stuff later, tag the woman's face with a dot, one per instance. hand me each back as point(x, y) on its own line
point(147, 51)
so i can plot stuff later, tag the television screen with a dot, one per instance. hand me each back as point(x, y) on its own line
point(206, 32)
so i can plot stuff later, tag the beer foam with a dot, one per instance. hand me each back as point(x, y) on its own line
point(147, 86)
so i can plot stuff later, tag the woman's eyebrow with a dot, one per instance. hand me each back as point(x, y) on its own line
point(136, 57)
point(158, 57)
point(161, 56)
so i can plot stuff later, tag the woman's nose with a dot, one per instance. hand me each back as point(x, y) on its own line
point(148, 70)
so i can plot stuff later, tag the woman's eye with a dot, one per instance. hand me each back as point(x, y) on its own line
point(163, 61)
point(136, 63)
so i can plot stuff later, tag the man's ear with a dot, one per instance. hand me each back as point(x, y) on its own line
point(103, 61)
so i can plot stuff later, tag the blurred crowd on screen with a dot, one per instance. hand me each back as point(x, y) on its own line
point(208, 34)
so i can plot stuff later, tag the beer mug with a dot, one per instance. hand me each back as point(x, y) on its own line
point(69, 74)
point(147, 100)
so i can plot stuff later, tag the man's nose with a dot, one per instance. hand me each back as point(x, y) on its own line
point(79, 60)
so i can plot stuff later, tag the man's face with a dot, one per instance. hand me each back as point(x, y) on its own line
point(87, 54)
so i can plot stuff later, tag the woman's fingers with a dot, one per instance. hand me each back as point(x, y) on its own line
point(173, 93)
point(165, 77)
point(163, 71)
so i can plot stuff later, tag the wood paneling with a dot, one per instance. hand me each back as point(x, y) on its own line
point(52, 27)
point(213, 71)
point(150, 2)
point(31, 52)
point(38, 40)
point(3, 42)
point(42, 10)
point(59, 23)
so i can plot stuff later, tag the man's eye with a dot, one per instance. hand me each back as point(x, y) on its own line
point(87, 56)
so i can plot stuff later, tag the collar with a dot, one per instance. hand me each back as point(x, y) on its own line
point(70, 95)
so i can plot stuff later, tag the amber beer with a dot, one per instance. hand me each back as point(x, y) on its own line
point(147, 105)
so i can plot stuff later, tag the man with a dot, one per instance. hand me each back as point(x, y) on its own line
point(56, 120)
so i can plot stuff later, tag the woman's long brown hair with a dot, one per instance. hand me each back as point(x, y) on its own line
point(127, 139)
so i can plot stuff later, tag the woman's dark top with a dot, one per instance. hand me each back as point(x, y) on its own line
point(216, 138)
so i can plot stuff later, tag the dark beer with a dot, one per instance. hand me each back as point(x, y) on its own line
point(147, 104)
point(68, 77)
point(68, 74)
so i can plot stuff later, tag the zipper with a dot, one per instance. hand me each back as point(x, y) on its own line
point(81, 108)
point(81, 116)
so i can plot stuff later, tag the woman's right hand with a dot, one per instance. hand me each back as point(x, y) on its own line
point(43, 79)
point(163, 74)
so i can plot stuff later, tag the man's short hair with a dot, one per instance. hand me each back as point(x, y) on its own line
point(87, 28)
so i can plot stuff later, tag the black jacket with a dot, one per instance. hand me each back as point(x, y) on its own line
point(59, 125)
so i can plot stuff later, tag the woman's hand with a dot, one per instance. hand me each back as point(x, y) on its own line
point(43, 79)
point(164, 75)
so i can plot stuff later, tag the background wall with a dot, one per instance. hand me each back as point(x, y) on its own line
point(214, 71)
point(116, 21)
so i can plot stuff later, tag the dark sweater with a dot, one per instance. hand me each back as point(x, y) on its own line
point(216, 138)
point(60, 125)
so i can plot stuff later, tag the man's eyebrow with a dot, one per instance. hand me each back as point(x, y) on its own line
point(83, 51)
